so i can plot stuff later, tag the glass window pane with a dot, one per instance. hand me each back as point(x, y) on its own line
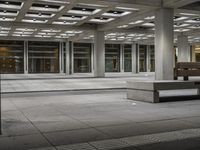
point(12, 56)
point(127, 58)
point(82, 57)
point(143, 58)
point(152, 58)
point(112, 56)
point(43, 57)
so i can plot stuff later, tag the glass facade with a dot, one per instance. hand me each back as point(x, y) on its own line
point(152, 58)
point(127, 58)
point(143, 58)
point(82, 57)
point(112, 57)
point(50, 57)
point(43, 57)
point(12, 57)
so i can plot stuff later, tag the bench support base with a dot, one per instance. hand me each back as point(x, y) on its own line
point(143, 95)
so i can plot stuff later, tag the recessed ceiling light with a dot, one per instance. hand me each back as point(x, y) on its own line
point(189, 14)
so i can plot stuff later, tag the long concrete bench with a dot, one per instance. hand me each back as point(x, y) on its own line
point(149, 90)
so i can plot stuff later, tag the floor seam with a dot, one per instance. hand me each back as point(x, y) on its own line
point(36, 127)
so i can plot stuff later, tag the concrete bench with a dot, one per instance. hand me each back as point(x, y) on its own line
point(149, 90)
point(186, 69)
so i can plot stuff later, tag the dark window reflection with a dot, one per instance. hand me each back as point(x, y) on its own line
point(82, 57)
point(11, 56)
point(127, 58)
point(43, 57)
point(112, 56)
point(143, 58)
point(152, 58)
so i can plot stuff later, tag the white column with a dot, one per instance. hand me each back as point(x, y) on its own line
point(134, 58)
point(25, 57)
point(72, 57)
point(121, 57)
point(164, 44)
point(138, 58)
point(61, 58)
point(183, 49)
point(99, 54)
point(67, 58)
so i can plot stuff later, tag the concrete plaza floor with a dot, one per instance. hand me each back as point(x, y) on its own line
point(95, 119)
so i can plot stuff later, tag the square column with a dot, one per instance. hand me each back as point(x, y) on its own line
point(67, 58)
point(99, 54)
point(164, 44)
point(121, 57)
point(134, 58)
point(183, 49)
point(25, 57)
point(61, 56)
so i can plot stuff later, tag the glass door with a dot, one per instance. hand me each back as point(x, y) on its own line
point(82, 57)
point(112, 57)
point(43, 57)
point(143, 58)
point(127, 58)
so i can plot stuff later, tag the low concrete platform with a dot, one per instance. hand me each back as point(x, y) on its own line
point(53, 83)
point(149, 91)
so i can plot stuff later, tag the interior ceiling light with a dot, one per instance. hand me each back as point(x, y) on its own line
point(128, 8)
point(93, 5)
point(101, 20)
point(56, 1)
point(189, 14)
point(34, 20)
point(122, 26)
point(180, 25)
point(180, 18)
point(84, 11)
point(192, 21)
point(150, 17)
point(64, 22)
point(149, 24)
point(136, 22)
point(116, 13)
point(3, 34)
